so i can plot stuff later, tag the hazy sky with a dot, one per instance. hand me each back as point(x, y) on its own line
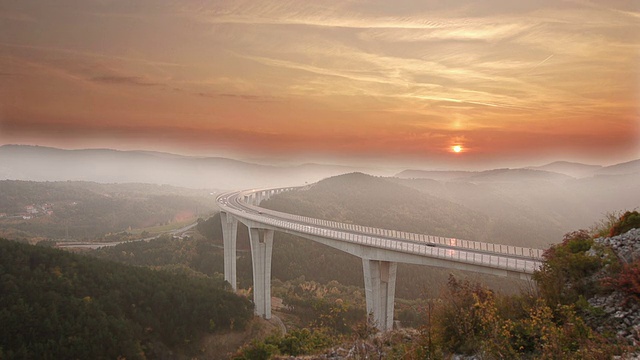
point(508, 81)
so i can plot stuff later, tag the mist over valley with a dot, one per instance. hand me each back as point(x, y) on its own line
point(159, 211)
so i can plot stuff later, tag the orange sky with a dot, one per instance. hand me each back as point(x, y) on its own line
point(395, 81)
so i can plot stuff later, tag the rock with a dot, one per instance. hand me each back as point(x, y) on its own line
point(621, 314)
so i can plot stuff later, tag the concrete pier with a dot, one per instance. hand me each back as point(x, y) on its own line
point(380, 290)
point(261, 249)
point(229, 236)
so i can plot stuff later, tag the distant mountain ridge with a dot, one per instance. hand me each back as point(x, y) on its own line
point(557, 170)
point(433, 174)
point(629, 167)
point(508, 175)
point(37, 163)
point(576, 170)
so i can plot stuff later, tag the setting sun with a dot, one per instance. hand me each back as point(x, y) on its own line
point(457, 148)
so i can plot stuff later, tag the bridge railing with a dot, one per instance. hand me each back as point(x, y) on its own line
point(420, 248)
point(407, 236)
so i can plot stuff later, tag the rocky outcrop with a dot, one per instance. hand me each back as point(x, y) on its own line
point(626, 246)
point(615, 312)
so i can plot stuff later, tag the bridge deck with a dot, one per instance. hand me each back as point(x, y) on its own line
point(507, 257)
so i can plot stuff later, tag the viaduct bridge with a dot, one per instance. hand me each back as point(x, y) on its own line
point(380, 250)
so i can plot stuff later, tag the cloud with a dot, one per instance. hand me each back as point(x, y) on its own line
point(90, 54)
point(334, 15)
point(489, 30)
point(254, 98)
point(124, 80)
point(340, 65)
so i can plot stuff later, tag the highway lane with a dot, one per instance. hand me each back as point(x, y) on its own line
point(233, 202)
point(452, 243)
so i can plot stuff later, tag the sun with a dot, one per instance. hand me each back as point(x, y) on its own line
point(457, 148)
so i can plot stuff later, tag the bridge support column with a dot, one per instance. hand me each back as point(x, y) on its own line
point(380, 291)
point(261, 248)
point(229, 236)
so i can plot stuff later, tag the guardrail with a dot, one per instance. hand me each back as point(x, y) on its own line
point(407, 236)
point(417, 248)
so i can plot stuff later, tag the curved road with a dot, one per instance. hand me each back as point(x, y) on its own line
point(380, 250)
point(513, 259)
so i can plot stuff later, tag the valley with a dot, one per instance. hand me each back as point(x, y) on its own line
point(318, 291)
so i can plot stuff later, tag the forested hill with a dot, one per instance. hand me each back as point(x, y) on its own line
point(373, 201)
point(379, 202)
point(59, 305)
point(531, 212)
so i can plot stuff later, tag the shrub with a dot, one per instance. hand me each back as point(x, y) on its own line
point(294, 343)
point(257, 350)
point(305, 341)
point(629, 220)
point(460, 318)
point(473, 320)
point(627, 280)
point(566, 273)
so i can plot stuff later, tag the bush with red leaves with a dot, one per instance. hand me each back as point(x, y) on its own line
point(627, 281)
point(629, 220)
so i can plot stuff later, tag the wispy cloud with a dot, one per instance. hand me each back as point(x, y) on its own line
point(381, 68)
point(245, 97)
point(124, 80)
point(90, 54)
point(336, 14)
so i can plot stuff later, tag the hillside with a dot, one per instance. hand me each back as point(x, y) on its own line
point(370, 201)
point(538, 212)
point(533, 213)
point(473, 211)
point(58, 305)
point(84, 210)
point(366, 200)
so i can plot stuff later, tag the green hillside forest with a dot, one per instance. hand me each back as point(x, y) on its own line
point(59, 305)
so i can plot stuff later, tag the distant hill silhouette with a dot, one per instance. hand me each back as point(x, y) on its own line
point(576, 170)
point(37, 163)
point(630, 167)
point(516, 175)
point(505, 174)
point(435, 175)
point(567, 168)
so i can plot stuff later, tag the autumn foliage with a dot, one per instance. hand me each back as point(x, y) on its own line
point(471, 319)
point(629, 220)
point(627, 280)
